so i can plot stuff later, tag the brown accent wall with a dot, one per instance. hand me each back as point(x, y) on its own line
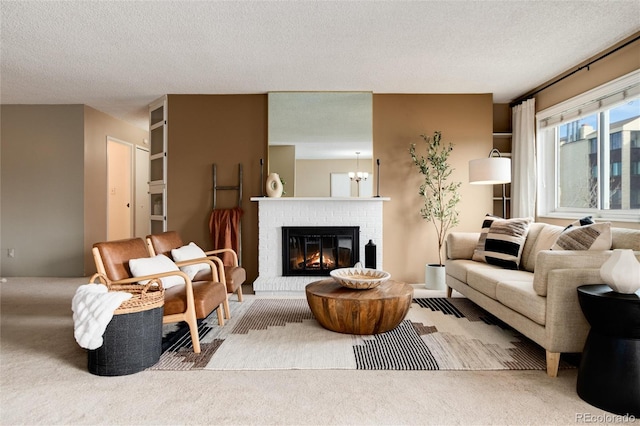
point(398, 121)
point(501, 118)
point(228, 129)
point(613, 66)
point(222, 129)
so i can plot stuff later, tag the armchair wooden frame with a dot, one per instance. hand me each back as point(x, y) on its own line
point(211, 254)
point(171, 239)
point(189, 315)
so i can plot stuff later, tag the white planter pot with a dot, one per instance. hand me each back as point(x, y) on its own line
point(434, 277)
point(621, 271)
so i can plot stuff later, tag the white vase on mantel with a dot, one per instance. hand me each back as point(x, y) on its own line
point(274, 185)
point(434, 276)
point(621, 271)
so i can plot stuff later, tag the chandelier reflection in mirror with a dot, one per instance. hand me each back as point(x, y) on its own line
point(358, 176)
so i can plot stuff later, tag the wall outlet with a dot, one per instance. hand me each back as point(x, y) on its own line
point(11, 252)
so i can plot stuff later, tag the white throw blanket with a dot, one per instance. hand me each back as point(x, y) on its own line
point(93, 307)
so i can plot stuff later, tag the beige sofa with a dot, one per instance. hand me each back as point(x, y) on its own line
point(539, 300)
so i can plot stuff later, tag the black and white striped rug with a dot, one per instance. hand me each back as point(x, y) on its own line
point(282, 334)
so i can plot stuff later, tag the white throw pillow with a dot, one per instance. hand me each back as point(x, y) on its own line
point(189, 252)
point(156, 265)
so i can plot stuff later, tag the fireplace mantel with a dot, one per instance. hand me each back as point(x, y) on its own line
point(274, 213)
point(351, 199)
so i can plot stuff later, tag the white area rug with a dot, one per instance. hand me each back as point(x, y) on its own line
point(282, 334)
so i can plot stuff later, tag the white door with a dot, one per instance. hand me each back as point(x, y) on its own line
point(142, 212)
point(119, 201)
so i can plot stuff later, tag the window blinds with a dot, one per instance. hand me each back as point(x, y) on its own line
point(599, 99)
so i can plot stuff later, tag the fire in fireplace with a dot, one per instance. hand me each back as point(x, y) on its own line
point(316, 250)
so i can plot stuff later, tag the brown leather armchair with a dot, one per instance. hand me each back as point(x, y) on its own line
point(187, 302)
point(233, 277)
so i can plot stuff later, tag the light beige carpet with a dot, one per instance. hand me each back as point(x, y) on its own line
point(282, 334)
point(44, 381)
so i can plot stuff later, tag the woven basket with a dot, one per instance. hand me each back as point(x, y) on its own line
point(132, 340)
point(144, 296)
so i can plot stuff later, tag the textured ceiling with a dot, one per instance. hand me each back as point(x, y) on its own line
point(117, 57)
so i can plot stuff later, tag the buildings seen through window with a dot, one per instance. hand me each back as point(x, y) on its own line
point(594, 150)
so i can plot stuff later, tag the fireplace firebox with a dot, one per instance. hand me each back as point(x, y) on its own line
point(316, 250)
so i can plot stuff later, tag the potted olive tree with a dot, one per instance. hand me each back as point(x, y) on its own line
point(440, 196)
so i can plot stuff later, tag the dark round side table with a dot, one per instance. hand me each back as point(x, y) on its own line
point(609, 374)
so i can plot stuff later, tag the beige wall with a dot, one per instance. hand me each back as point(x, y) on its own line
point(282, 160)
point(398, 121)
point(42, 208)
point(314, 176)
point(54, 186)
point(97, 126)
point(222, 129)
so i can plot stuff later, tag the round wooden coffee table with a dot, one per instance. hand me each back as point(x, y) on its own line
point(351, 311)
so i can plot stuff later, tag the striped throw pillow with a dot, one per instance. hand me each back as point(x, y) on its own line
point(505, 241)
point(478, 253)
point(595, 236)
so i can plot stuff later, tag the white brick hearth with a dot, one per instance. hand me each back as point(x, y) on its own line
point(274, 213)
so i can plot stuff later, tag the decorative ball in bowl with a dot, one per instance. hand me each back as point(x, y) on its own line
point(359, 278)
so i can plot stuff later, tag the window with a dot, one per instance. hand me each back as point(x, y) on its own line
point(635, 139)
point(589, 149)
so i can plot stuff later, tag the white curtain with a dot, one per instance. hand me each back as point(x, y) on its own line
point(523, 160)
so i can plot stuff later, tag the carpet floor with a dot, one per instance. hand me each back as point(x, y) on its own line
point(44, 381)
point(282, 334)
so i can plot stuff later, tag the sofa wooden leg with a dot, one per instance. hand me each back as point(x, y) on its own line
point(553, 361)
point(239, 293)
point(449, 291)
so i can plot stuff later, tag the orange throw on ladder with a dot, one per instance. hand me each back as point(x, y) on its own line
point(224, 225)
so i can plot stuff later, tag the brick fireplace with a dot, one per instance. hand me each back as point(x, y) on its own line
point(276, 213)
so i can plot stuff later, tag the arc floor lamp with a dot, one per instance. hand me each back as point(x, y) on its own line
point(493, 170)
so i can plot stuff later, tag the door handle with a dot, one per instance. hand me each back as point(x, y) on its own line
point(127, 205)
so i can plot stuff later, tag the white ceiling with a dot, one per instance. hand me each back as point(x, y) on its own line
point(117, 57)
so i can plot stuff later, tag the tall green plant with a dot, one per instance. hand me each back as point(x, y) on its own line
point(440, 196)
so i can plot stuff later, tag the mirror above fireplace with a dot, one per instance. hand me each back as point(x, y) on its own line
point(314, 138)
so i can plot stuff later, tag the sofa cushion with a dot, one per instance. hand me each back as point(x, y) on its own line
point(527, 261)
point(461, 245)
point(505, 241)
point(520, 296)
point(485, 280)
point(624, 238)
point(461, 267)
point(596, 236)
point(545, 237)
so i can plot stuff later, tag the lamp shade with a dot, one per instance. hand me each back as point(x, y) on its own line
point(490, 171)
